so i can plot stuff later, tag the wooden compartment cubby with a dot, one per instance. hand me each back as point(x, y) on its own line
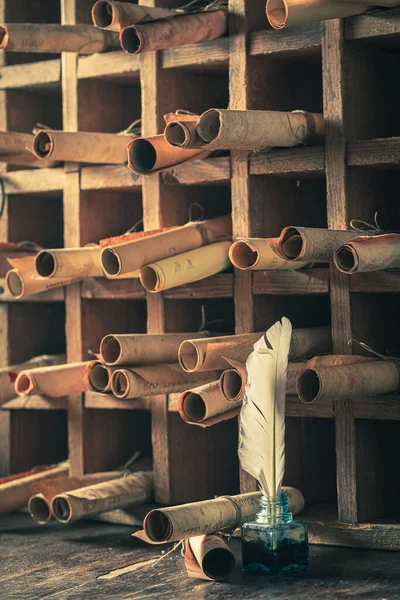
point(340, 454)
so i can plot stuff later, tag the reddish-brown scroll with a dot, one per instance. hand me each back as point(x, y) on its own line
point(114, 16)
point(178, 31)
point(52, 38)
point(208, 557)
point(365, 254)
point(61, 380)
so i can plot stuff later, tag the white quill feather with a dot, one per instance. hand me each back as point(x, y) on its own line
point(262, 417)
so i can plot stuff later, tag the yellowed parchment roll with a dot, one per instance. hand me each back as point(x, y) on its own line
point(208, 557)
point(135, 488)
point(155, 379)
point(16, 490)
point(12, 143)
point(186, 268)
point(97, 377)
point(327, 383)
point(184, 29)
point(205, 405)
point(69, 262)
point(57, 381)
point(154, 154)
point(52, 38)
point(84, 146)
point(39, 505)
point(114, 16)
point(9, 374)
point(257, 129)
point(258, 254)
point(143, 348)
point(208, 516)
point(233, 381)
point(182, 132)
point(23, 280)
point(132, 255)
point(365, 254)
point(217, 352)
point(308, 244)
point(287, 13)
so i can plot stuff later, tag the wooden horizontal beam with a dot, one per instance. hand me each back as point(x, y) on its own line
point(114, 66)
point(377, 282)
point(111, 177)
point(381, 152)
point(112, 289)
point(34, 181)
point(44, 74)
point(217, 286)
point(208, 171)
point(383, 25)
point(94, 400)
point(293, 162)
point(291, 283)
point(300, 40)
point(36, 403)
point(207, 55)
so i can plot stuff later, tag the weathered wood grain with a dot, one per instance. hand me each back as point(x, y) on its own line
point(113, 289)
point(34, 181)
point(292, 162)
point(41, 75)
point(381, 153)
point(291, 283)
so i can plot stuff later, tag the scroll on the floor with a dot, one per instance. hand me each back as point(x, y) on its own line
point(39, 505)
point(143, 348)
point(15, 490)
point(74, 263)
point(185, 268)
point(51, 38)
point(55, 381)
point(135, 488)
point(208, 557)
point(135, 382)
point(121, 258)
point(184, 29)
point(114, 16)
point(176, 523)
point(83, 146)
point(258, 129)
point(9, 374)
point(258, 254)
point(365, 254)
point(366, 378)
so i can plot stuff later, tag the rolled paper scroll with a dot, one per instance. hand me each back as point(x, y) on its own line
point(258, 129)
point(83, 146)
point(154, 154)
point(97, 377)
point(136, 488)
point(114, 16)
point(143, 349)
point(61, 380)
point(39, 505)
point(129, 256)
point(182, 132)
point(52, 38)
point(348, 381)
point(365, 254)
point(309, 244)
point(216, 352)
point(205, 405)
point(69, 262)
point(287, 13)
point(23, 280)
point(170, 33)
point(176, 523)
point(15, 143)
point(259, 254)
point(208, 557)
point(16, 490)
point(155, 379)
point(9, 374)
point(186, 268)
point(233, 381)
point(26, 160)
point(129, 237)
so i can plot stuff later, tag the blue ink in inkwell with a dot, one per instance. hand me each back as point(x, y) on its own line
point(274, 542)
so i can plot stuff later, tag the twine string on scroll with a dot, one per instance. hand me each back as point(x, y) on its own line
point(201, 5)
point(365, 346)
point(204, 324)
point(359, 226)
point(135, 129)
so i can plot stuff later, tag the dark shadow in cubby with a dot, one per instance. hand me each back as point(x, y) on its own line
point(119, 210)
point(303, 311)
point(184, 203)
point(36, 219)
point(103, 317)
point(378, 487)
point(111, 437)
point(375, 322)
point(35, 328)
point(186, 315)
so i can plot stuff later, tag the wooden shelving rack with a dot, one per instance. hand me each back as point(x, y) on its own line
point(342, 454)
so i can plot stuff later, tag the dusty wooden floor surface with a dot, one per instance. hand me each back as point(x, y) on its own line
point(82, 562)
